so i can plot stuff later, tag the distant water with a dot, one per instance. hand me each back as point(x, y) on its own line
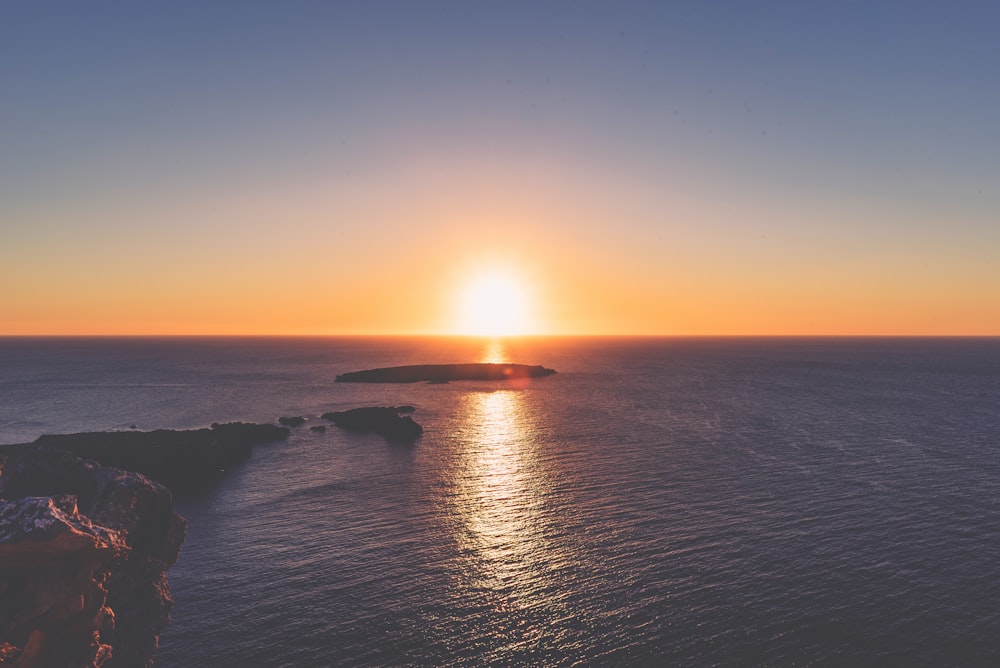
point(781, 502)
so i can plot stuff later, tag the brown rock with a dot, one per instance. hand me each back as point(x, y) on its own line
point(83, 555)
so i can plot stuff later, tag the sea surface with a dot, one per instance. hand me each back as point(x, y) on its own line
point(689, 502)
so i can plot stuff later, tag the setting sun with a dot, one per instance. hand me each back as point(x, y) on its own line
point(494, 305)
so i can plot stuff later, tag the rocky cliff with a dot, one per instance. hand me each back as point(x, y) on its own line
point(84, 550)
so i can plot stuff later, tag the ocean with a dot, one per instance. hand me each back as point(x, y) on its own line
point(658, 501)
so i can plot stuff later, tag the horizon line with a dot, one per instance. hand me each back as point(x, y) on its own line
point(487, 336)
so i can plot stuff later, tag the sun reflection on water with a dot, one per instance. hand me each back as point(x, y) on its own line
point(494, 352)
point(498, 467)
point(500, 502)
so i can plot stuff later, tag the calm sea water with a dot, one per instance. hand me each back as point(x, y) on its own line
point(783, 502)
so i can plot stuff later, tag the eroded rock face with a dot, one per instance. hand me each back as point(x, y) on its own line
point(83, 555)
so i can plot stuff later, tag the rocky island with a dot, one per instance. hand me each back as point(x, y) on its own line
point(384, 421)
point(437, 373)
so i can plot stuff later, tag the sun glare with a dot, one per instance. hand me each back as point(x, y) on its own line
point(494, 305)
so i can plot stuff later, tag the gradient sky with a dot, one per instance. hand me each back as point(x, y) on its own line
point(641, 167)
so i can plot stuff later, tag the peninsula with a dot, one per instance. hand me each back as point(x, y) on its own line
point(176, 458)
point(438, 373)
point(88, 531)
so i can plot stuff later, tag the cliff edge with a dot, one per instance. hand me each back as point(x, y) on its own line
point(84, 550)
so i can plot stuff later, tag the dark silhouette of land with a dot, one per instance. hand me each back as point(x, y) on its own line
point(176, 458)
point(438, 373)
point(385, 421)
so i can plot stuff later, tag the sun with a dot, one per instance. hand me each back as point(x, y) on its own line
point(494, 304)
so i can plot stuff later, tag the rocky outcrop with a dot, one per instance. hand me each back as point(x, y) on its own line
point(294, 421)
point(83, 554)
point(179, 459)
point(385, 421)
point(438, 373)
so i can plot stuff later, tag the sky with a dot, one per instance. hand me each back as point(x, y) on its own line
point(647, 168)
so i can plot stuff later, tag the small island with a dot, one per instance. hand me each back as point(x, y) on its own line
point(441, 373)
point(385, 421)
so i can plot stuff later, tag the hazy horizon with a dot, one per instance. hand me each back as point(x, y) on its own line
point(500, 338)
